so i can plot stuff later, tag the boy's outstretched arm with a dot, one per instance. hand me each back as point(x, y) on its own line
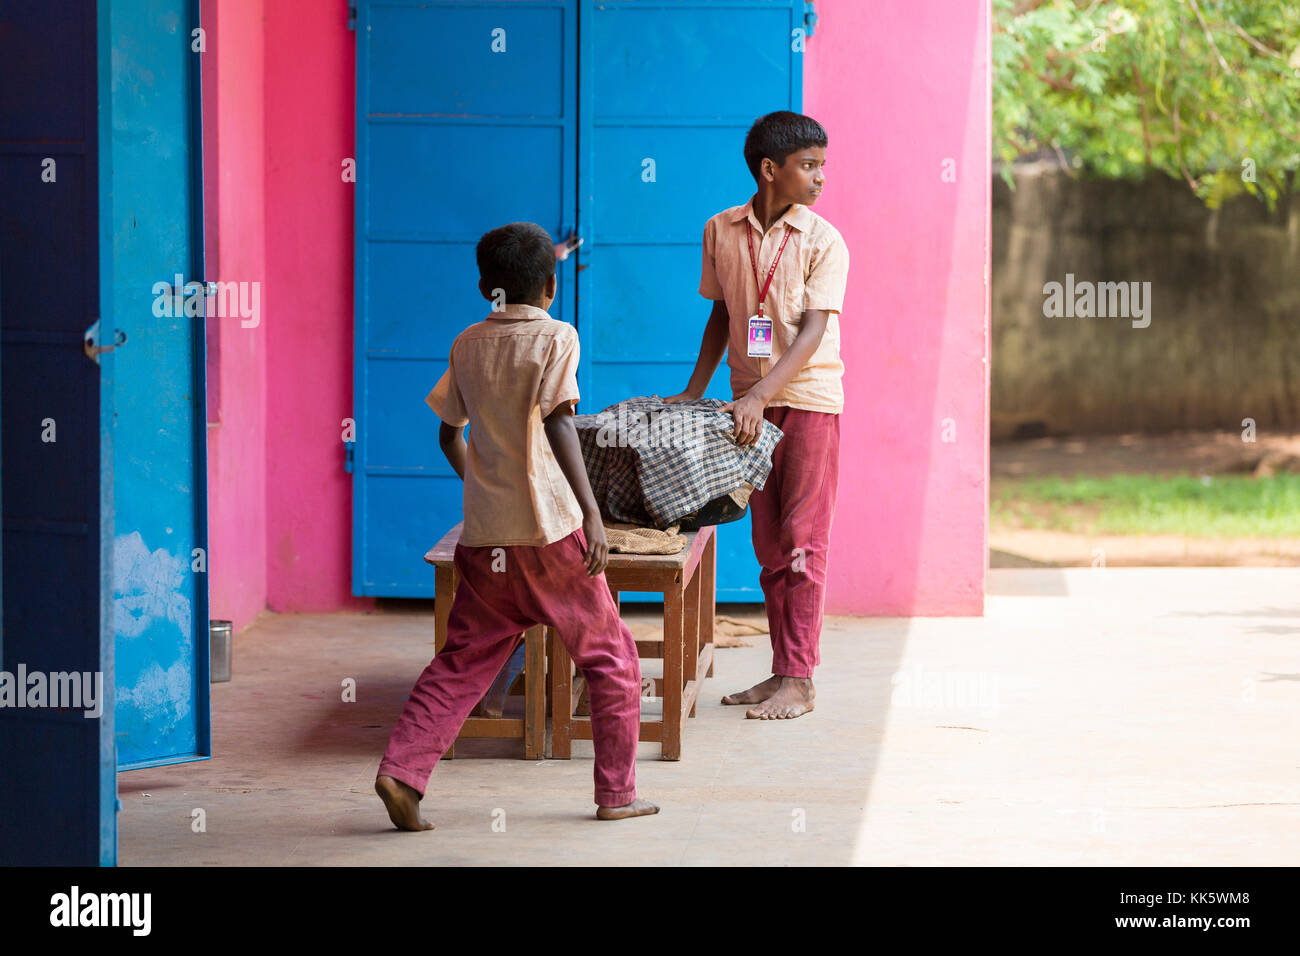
point(563, 438)
point(452, 442)
point(712, 348)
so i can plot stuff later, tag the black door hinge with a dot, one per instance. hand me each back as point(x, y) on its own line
point(349, 455)
point(809, 17)
point(352, 14)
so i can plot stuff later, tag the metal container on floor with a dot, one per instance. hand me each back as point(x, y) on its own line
point(219, 633)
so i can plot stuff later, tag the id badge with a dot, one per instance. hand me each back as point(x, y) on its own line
point(760, 337)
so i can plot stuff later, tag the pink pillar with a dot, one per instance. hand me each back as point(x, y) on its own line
point(310, 129)
point(233, 201)
point(903, 89)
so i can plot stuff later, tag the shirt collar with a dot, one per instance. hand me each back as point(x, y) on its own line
point(798, 215)
point(518, 312)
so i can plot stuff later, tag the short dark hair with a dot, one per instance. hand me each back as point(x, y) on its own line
point(517, 258)
point(777, 135)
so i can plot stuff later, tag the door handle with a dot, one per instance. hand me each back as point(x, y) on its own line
point(568, 245)
point(90, 342)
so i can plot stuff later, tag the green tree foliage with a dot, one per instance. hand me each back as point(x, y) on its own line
point(1207, 91)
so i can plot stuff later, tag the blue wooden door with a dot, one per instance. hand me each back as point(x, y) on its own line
point(466, 120)
point(58, 785)
point(470, 114)
point(668, 90)
point(151, 200)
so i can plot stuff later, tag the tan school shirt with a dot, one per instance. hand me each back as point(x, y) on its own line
point(812, 274)
point(505, 375)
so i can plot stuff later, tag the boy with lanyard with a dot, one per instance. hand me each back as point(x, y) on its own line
point(776, 272)
point(532, 549)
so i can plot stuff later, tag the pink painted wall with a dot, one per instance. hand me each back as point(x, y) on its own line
point(310, 77)
point(233, 163)
point(902, 86)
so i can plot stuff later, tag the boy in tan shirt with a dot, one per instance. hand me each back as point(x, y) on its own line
point(532, 550)
point(776, 272)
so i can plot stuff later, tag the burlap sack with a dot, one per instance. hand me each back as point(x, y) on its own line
point(629, 539)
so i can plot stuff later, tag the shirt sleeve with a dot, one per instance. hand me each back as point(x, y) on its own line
point(559, 384)
point(827, 277)
point(446, 400)
point(710, 287)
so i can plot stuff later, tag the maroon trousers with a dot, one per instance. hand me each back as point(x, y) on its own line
point(791, 523)
point(503, 592)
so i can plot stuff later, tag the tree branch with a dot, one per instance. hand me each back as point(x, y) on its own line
point(1053, 82)
point(1255, 43)
point(1209, 36)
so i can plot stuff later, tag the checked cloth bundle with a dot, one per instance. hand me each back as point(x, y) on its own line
point(653, 464)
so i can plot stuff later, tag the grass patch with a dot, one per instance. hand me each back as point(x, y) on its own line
point(1227, 506)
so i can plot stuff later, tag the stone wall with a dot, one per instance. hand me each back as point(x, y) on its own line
point(1223, 339)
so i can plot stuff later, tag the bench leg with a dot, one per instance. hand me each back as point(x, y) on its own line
point(691, 631)
point(561, 700)
point(708, 594)
point(535, 693)
point(674, 648)
point(550, 672)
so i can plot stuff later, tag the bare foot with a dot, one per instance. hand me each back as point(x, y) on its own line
point(793, 698)
point(756, 694)
point(403, 803)
point(637, 808)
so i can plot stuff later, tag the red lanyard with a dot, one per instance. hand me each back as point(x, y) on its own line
point(762, 291)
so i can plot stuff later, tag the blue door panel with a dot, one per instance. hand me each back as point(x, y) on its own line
point(405, 382)
point(676, 83)
point(415, 513)
point(453, 138)
point(57, 774)
point(69, 465)
point(413, 291)
point(466, 59)
point(695, 168)
point(437, 181)
point(160, 598)
point(619, 313)
point(699, 61)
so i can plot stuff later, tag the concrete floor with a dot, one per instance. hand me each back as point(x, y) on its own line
point(1093, 716)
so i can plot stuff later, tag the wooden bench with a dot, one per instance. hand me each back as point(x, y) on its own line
point(531, 728)
point(686, 580)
